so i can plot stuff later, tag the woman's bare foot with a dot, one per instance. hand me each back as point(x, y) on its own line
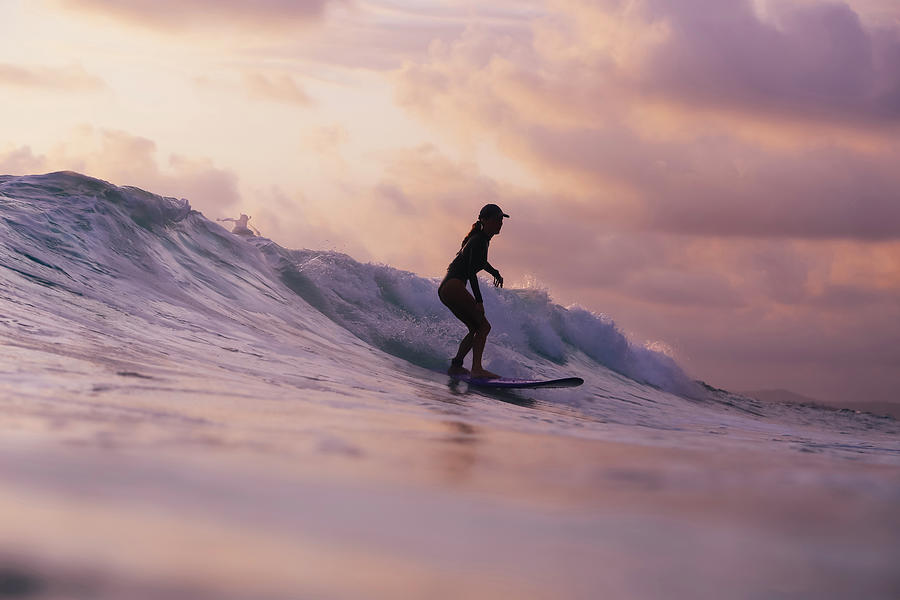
point(483, 374)
point(455, 370)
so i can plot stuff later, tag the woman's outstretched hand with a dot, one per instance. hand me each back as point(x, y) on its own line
point(498, 280)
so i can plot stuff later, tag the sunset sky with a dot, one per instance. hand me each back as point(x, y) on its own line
point(720, 177)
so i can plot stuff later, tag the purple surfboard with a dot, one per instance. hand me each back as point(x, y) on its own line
point(510, 382)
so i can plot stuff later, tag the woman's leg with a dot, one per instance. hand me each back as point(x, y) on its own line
point(464, 346)
point(479, 340)
point(456, 297)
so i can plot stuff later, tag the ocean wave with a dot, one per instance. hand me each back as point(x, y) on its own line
point(123, 261)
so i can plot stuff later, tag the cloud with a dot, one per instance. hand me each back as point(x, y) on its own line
point(380, 35)
point(726, 186)
point(70, 78)
point(210, 188)
point(803, 60)
point(173, 15)
point(673, 288)
point(328, 139)
point(399, 214)
point(707, 145)
point(814, 61)
point(268, 86)
point(277, 87)
point(22, 161)
point(126, 159)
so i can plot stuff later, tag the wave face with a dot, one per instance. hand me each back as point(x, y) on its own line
point(400, 313)
point(86, 260)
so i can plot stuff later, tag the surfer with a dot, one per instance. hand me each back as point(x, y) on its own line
point(240, 225)
point(469, 308)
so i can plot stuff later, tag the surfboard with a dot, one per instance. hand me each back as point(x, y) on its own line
point(514, 383)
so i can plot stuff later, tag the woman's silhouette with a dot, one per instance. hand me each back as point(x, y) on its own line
point(472, 258)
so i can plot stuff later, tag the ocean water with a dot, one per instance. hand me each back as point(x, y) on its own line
point(187, 413)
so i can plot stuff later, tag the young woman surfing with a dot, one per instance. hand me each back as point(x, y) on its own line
point(467, 307)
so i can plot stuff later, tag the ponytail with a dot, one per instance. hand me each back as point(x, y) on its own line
point(476, 227)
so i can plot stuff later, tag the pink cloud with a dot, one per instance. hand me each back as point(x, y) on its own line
point(126, 159)
point(381, 35)
point(678, 288)
point(22, 161)
point(275, 87)
point(420, 188)
point(726, 186)
point(269, 86)
point(581, 114)
point(209, 187)
point(807, 60)
point(70, 78)
point(274, 14)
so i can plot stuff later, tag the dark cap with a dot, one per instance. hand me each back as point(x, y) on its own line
point(491, 210)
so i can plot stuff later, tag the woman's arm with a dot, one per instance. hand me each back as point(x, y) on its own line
point(472, 262)
point(498, 279)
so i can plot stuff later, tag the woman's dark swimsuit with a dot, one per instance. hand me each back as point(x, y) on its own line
point(471, 259)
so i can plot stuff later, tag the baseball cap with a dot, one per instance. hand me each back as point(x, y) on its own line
point(491, 210)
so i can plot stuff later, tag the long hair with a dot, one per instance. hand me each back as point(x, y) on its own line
point(476, 227)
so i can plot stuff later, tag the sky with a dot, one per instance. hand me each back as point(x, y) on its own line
point(720, 177)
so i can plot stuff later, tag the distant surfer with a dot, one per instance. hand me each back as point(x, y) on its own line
point(469, 308)
point(240, 225)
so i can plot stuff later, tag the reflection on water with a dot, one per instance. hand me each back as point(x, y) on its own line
point(460, 453)
point(461, 388)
